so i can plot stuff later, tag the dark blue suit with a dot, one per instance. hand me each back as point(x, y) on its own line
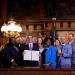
point(10, 53)
point(1, 58)
point(26, 62)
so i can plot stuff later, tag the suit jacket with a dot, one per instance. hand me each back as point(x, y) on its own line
point(1, 54)
point(22, 48)
point(18, 46)
point(35, 47)
point(50, 56)
point(65, 59)
point(1, 57)
point(10, 53)
point(73, 52)
point(26, 47)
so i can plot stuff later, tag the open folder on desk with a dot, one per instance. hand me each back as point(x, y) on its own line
point(31, 55)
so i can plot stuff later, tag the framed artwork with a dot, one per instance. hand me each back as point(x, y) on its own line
point(21, 8)
point(59, 9)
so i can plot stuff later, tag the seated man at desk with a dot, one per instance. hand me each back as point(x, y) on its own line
point(30, 46)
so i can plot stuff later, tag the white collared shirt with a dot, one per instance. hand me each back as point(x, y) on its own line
point(63, 44)
point(71, 42)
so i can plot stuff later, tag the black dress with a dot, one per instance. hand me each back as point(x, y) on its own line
point(43, 57)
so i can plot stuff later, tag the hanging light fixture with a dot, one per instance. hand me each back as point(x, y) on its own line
point(12, 29)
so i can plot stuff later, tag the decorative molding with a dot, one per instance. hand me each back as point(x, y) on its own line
point(35, 25)
point(27, 27)
point(42, 26)
point(46, 24)
point(61, 24)
point(69, 24)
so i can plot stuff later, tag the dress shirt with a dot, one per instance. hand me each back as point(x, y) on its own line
point(71, 42)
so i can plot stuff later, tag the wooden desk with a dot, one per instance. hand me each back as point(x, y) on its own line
point(36, 71)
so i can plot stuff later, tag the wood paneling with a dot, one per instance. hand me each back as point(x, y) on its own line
point(4, 10)
point(36, 71)
point(65, 33)
point(3, 41)
point(47, 25)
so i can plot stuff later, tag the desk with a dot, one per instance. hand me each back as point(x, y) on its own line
point(36, 71)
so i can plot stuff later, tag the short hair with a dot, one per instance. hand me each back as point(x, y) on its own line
point(30, 35)
point(71, 34)
point(10, 39)
point(45, 40)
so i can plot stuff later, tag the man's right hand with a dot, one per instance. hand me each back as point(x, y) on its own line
point(23, 53)
point(13, 64)
point(60, 52)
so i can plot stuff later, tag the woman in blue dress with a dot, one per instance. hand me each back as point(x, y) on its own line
point(49, 55)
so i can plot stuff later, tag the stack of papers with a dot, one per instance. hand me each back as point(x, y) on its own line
point(31, 55)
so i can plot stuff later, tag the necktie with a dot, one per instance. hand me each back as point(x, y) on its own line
point(62, 47)
point(30, 46)
point(19, 45)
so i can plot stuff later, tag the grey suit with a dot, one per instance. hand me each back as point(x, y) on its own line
point(73, 54)
point(64, 61)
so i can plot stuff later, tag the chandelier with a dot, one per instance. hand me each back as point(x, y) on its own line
point(11, 29)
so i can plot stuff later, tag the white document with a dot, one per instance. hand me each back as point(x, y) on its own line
point(35, 55)
point(31, 55)
point(27, 55)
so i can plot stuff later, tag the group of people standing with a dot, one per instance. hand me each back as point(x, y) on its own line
point(59, 55)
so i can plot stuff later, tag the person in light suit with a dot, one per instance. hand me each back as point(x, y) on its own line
point(64, 53)
point(49, 55)
point(72, 43)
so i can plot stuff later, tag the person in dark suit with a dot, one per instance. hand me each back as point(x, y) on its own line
point(18, 44)
point(29, 46)
point(1, 55)
point(11, 54)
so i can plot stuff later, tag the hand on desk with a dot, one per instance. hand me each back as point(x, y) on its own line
point(14, 64)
